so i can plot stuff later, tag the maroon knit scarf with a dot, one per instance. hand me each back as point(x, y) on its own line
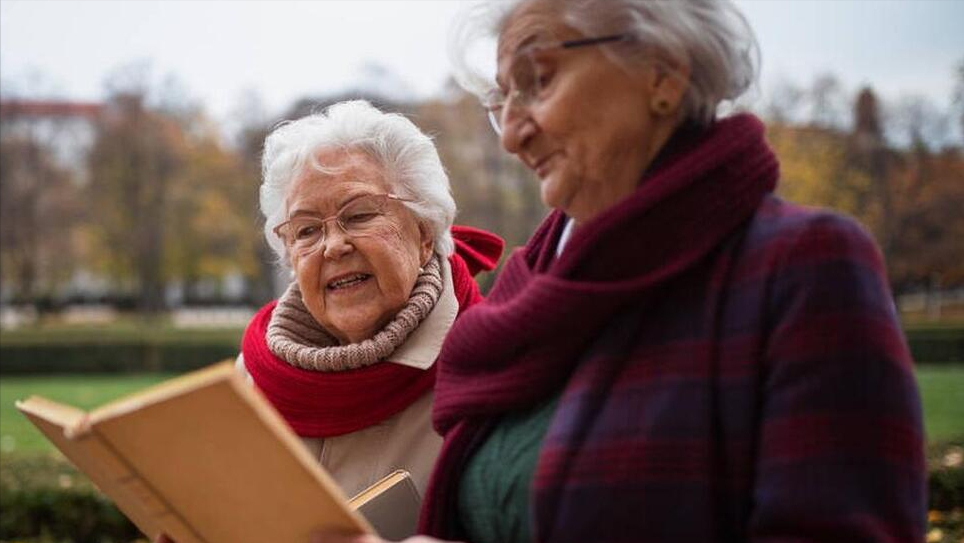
point(323, 404)
point(521, 345)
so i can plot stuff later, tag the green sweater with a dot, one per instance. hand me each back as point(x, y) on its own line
point(494, 504)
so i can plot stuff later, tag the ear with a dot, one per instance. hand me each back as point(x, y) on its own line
point(426, 244)
point(668, 83)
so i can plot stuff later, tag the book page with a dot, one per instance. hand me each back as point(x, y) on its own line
point(221, 456)
point(90, 456)
point(378, 487)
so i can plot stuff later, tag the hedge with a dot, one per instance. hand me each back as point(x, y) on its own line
point(45, 500)
point(112, 351)
point(936, 344)
point(34, 352)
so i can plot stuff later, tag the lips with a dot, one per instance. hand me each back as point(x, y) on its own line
point(541, 166)
point(347, 280)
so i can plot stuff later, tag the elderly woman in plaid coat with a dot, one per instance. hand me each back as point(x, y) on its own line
point(677, 355)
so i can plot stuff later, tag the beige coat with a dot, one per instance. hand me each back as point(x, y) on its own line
point(406, 440)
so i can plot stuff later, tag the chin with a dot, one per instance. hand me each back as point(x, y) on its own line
point(553, 195)
point(357, 331)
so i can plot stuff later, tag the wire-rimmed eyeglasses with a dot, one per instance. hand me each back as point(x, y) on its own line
point(305, 232)
point(524, 80)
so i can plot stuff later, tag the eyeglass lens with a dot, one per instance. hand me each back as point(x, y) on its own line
point(356, 219)
point(523, 88)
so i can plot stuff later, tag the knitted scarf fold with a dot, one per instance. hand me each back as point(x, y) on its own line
point(296, 337)
point(324, 390)
point(522, 344)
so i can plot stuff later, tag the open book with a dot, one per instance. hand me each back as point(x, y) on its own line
point(203, 458)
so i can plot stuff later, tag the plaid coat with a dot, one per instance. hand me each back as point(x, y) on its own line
point(734, 368)
point(766, 396)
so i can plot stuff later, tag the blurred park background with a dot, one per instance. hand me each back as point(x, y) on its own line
point(131, 245)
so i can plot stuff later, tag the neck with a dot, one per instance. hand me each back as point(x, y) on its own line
point(632, 168)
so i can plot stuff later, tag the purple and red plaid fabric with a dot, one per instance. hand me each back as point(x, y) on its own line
point(767, 396)
point(731, 368)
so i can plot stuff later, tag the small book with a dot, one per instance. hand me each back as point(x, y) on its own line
point(391, 505)
point(203, 458)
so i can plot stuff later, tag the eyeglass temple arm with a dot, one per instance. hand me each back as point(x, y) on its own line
point(593, 41)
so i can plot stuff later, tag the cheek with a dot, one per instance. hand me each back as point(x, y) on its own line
point(307, 271)
point(396, 262)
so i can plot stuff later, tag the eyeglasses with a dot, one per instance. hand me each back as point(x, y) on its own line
point(358, 218)
point(525, 81)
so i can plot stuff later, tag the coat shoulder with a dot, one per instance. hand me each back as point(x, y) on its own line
point(787, 233)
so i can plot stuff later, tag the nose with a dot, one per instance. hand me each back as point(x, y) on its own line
point(336, 243)
point(518, 128)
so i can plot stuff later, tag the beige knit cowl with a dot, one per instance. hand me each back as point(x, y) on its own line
point(296, 337)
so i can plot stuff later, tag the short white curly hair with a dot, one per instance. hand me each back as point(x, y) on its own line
point(712, 36)
point(410, 161)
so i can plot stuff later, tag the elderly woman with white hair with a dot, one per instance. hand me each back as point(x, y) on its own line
point(358, 206)
point(677, 354)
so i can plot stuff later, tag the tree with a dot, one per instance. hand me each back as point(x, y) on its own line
point(39, 184)
point(783, 102)
point(868, 154)
point(827, 101)
point(37, 219)
point(908, 196)
point(136, 156)
point(211, 223)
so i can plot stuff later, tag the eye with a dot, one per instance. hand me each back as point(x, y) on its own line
point(307, 231)
point(358, 217)
point(543, 74)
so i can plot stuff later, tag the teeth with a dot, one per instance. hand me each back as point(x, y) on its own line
point(352, 279)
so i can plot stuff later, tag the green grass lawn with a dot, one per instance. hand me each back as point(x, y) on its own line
point(17, 434)
point(942, 392)
point(942, 389)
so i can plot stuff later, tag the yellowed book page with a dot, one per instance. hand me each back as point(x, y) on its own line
point(378, 487)
point(90, 456)
point(214, 447)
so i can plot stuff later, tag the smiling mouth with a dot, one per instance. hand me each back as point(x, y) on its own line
point(347, 281)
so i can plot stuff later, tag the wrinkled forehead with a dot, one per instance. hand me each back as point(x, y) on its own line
point(337, 174)
point(535, 21)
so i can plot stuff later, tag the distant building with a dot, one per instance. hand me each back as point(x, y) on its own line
point(66, 128)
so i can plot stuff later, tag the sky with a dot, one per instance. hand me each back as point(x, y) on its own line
point(224, 52)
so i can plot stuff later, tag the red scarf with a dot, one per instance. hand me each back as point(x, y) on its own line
point(324, 404)
point(521, 345)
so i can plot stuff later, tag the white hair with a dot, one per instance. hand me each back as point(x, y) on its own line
point(408, 157)
point(712, 36)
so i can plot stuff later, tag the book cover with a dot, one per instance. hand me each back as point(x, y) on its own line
point(391, 505)
point(202, 457)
